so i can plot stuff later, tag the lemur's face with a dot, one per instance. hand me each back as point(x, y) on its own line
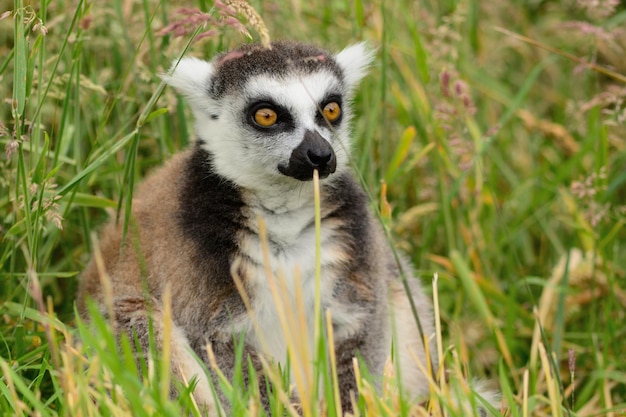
point(277, 115)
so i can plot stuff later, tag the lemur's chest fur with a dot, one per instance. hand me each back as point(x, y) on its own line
point(280, 271)
point(273, 251)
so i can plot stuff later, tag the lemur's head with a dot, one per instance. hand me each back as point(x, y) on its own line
point(273, 115)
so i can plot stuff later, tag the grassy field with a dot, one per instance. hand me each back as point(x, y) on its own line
point(491, 135)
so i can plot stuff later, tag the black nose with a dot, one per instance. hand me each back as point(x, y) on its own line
point(320, 160)
point(313, 153)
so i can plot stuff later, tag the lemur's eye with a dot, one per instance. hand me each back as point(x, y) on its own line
point(268, 117)
point(265, 117)
point(332, 111)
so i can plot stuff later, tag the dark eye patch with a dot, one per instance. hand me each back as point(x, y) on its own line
point(284, 120)
point(319, 116)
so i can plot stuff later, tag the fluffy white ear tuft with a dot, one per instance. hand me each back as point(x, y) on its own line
point(354, 61)
point(190, 77)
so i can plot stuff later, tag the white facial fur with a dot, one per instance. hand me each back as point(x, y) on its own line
point(250, 158)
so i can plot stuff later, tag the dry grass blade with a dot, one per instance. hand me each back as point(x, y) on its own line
point(595, 67)
point(552, 385)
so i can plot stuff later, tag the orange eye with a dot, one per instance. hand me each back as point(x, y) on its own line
point(332, 111)
point(265, 117)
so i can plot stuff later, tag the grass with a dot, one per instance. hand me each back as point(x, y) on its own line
point(490, 135)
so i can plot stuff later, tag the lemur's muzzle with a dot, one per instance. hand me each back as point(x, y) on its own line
point(314, 152)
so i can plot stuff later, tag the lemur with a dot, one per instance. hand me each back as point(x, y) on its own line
point(265, 120)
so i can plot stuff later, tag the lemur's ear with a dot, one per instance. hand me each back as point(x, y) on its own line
point(191, 77)
point(354, 61)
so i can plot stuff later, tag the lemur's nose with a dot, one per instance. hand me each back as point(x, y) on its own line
point(313, 153)
point(321, 159)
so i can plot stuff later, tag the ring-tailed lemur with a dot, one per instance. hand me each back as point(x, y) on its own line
point(265, 120)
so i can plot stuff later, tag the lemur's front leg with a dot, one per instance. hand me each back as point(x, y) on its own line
point(142, 322)
point(225, 357)
point(345, 353)
point(369, 346)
